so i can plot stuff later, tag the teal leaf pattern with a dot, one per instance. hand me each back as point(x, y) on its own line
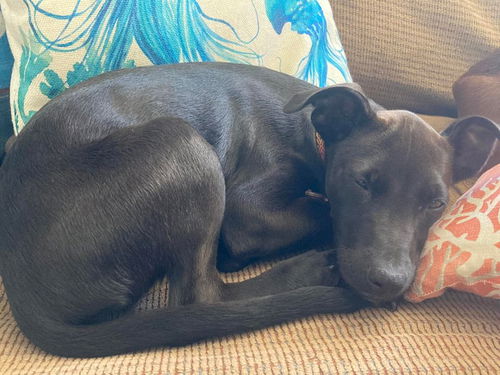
point(32, 63)
point(53, 86)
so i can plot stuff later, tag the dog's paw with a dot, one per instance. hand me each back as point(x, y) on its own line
point(312, 268)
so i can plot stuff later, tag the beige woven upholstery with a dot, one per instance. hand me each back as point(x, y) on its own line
point(407, 53)
point(454, 334)
point(457, 333)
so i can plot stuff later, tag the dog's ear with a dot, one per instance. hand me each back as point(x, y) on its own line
point(337, 109)
point(474, 140)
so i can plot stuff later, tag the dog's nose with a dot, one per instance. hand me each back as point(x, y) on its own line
point(386, 283)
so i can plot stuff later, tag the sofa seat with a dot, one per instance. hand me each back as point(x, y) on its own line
point(454, 334)
point(457, 333)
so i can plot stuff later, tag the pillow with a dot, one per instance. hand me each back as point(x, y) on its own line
point(6, 59)
point(463, 248)
point(59, 43)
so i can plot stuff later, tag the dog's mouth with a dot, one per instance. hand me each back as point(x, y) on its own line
point(391, 304)
point(354, 275)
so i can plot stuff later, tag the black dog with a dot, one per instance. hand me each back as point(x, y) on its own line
point(108, 189)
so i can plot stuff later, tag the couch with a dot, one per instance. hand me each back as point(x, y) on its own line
point(457, 333)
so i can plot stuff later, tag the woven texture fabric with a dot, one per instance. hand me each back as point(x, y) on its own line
point(454, 334)
point(407, 53)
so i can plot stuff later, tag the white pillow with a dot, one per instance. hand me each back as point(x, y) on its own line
point(58, 43)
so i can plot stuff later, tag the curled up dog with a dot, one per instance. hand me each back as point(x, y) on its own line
point(175, 171)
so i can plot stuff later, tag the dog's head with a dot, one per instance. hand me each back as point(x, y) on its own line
point(387, 177)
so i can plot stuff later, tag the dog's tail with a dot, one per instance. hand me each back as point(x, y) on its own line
point(182, 325)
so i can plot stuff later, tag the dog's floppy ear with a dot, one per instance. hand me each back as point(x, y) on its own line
point(473, 140)
point(337, 109)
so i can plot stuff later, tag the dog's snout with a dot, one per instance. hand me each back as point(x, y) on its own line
point(387, 283)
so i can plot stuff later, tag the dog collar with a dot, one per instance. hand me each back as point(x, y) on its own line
point(320, 145)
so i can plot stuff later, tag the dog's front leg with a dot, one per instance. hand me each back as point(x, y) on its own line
point(313, 268)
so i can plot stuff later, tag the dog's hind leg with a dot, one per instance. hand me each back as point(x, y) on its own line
point(140, 203)
point(198, 281)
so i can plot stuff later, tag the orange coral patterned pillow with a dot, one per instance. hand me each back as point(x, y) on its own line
point(463, 248)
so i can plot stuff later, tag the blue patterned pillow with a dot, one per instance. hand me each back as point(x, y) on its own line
point(59, 43)
point(6, 59)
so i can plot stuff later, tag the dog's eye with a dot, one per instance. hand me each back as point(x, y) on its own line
point(362, 182)
point(436, 204)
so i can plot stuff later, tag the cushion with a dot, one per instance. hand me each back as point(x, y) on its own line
point(407, 54)
point(58, 43)
point(457, 333)
point(6, 59)
point(463, 248)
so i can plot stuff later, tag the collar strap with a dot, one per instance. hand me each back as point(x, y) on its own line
point(320, 145)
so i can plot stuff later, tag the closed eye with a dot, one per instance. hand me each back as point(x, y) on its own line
point(434, 197)
point(363, 183)
point(436, 204)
